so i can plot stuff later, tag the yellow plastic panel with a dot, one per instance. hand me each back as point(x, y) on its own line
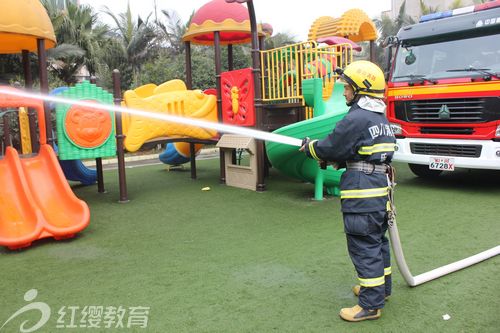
point(24, 126)
point(188, 103)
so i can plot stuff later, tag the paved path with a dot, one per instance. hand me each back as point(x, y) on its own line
point(150, 159)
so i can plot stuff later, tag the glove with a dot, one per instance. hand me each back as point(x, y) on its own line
point(305, 142)
point(305, 148)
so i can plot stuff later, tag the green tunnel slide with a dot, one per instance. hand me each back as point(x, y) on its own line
point(290, 160)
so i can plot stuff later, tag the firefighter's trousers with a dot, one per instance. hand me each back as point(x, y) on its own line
point(370, 253)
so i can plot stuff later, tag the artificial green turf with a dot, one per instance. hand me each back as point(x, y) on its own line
point(233, 260)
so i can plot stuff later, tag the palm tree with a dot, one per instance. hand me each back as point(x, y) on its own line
point(65, 61)
point(112, 56)
point(456, 4)
point(137, 39)
point(428, 9)
point(387, 27)
point(172, 30)
point(79, 36)
point(280, 39)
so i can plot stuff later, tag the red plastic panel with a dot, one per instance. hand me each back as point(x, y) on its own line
point(238, 97)
point(210, 91)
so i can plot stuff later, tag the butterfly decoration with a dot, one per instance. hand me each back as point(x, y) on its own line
point(238, 97)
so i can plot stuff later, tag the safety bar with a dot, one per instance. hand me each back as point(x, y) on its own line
point(284, 68)
point(11, 101)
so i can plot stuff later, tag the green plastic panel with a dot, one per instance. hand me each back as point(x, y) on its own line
point(68, 148)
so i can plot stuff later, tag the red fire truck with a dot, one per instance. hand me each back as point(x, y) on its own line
point(443, 92)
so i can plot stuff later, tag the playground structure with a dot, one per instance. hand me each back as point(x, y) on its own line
point(172, 97)
point(37, 200)
point(283, 92)
point(236, 174)
point(281, 75)
point(74, 170)
point(283, 86)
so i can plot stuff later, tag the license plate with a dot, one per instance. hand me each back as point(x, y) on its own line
point(440, 163)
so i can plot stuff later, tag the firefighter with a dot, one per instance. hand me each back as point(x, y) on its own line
point(363, 143)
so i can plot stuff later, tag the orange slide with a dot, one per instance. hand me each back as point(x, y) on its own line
point(36, 201)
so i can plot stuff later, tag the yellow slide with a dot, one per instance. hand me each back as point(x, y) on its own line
point(171, 98)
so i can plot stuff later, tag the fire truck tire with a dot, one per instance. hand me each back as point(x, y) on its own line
point(424, 171)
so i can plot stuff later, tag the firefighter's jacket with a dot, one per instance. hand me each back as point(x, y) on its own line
point(361, 135)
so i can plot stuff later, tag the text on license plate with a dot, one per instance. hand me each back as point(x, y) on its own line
point(440, 163)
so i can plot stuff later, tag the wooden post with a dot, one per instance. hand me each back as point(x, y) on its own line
point(218, 70)
point(230, 67)
point(189, 73)
point(372, 51)
point(120, 150)
point(192, 156)
point(230, 60)
point(261, 186)
point(98, 160)
point(44, 86)
point(28, 84)
point(262, 43)
point(6, 131)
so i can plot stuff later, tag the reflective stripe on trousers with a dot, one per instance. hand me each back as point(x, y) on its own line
point(369, 251)
point(365, 193)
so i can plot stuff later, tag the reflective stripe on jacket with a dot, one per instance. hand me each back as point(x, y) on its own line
point(361, 136)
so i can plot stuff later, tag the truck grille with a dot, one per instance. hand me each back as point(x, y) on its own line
point(447, 130)
point(450, 110)
point(446, 150)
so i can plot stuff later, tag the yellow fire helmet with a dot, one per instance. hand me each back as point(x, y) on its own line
point(364, 77)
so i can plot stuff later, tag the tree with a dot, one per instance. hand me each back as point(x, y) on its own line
point(10, 65)
point(172, 66)
point(388, 27)
point(280, 39)
point(456, 4)
point(79, 37)
point(172, 30)
point(427, 9)
point(137, 39)
point(111, 57)
point(66, 61)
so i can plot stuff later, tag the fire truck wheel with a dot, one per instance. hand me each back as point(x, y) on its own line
point(424, 171)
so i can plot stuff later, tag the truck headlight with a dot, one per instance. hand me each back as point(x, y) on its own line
point(397, 130)
point(497, 133)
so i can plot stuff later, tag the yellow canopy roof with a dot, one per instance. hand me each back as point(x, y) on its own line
point(354, 24)
point(22, 22)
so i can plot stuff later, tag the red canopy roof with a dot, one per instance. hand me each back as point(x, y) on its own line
point(334, 40)
point(230, 19)
point(220, 10)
